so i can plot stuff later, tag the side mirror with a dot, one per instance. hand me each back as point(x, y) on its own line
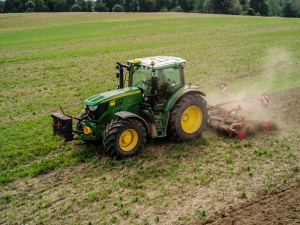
point(154, 85)
point(118, 71)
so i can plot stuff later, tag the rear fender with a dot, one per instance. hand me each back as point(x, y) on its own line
point(172, 101)
point(126, 115)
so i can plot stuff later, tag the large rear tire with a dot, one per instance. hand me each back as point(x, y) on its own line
point(123, 138)
point(188, 118)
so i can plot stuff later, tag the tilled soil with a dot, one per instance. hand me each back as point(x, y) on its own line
point(281, 207)
point(285, 106)
point(283, 111)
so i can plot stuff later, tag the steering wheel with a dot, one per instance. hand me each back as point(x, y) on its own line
point(146, 83)
point(171, 89)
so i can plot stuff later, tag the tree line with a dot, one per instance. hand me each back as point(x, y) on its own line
point(281, 8)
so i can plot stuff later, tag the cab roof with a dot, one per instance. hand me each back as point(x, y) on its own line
point(161, 62)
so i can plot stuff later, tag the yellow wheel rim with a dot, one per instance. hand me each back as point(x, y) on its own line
point(191, 119)
point(128, 140)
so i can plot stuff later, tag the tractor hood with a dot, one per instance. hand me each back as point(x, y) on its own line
point(111, 95)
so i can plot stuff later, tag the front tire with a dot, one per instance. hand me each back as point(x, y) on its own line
point(188, 118)
point(79, 125)
point(123, 138)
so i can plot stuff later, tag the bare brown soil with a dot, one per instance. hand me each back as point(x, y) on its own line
point(279, 207)
point(285, 107)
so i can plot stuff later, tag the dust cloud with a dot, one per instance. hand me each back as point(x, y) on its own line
point(263, 80)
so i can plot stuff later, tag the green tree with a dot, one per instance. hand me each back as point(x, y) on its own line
point(118, 8)
point(142, 6)
point(274, 8)
point(208, 6)
point(30, 5)
point(164, 9)
point(237, 8)
point(100, 7)
point(45, 8)
point(82, 4)
point(159, 4)
point(184, 5)
point(9, 6)
point(133, 5)
point(259, 6)
point(70, 3)
point(111, 3)
point(49, 5)
point(1, 6)
point(198, 6)
point(167, 3)
point(218, 6)
point(20, 8)
point(288, 11)
point(296, 7)
point(39, 5)
point(245, 4)
point(76, 8)
point(89, 6)
point(251, 12)
point(151, 6)
point(177, 9)
point(173, 3)
point(127, 6)
point(60, 6)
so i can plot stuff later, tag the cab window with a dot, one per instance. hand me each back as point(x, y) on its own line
point(141, 78)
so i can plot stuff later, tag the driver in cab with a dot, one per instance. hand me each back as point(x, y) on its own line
point(161, 79)
point(162, 84)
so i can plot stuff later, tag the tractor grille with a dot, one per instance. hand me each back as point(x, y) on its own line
point(119, 102)
point(95, 115)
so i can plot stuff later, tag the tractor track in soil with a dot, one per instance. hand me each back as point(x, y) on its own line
point(282, 206)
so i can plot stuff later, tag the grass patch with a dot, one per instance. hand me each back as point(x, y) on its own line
point(58, 60)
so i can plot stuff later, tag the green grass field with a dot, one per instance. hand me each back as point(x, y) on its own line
point(47, 60)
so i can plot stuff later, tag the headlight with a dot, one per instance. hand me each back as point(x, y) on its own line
point(93, 108)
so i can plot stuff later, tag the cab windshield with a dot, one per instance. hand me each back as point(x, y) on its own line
point(169, 81)
point(141, 78)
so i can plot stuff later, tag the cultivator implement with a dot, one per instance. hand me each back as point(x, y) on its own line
point(233, 121)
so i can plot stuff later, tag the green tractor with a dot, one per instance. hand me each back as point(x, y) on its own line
point(156, 103)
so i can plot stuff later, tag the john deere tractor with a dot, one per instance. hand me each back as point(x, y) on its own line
point(156, 103)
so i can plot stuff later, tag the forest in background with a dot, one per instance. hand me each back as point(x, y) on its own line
point(280, 8)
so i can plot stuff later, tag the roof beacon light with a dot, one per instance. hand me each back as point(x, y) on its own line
point(136, 61)
point(152, 63)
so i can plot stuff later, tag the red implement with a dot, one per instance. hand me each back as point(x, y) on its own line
point(234, 123)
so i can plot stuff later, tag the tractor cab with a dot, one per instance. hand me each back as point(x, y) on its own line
point(157, 77)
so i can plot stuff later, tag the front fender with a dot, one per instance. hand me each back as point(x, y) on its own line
point(126, 115)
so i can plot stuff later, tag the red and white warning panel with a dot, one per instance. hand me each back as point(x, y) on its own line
point(264, 99)
point(223, 88)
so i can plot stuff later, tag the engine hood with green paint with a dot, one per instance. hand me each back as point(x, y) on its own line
point(111, 95)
